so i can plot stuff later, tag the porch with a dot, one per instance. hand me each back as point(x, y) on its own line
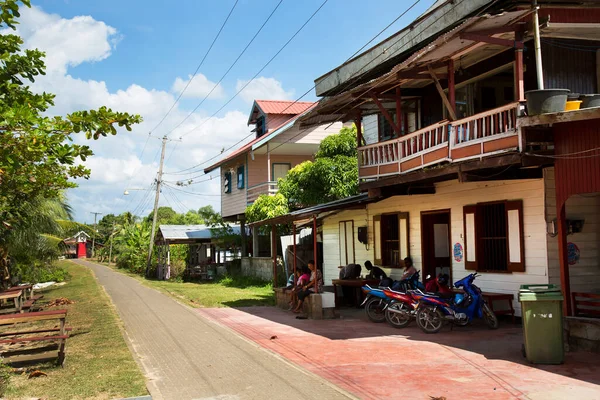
point(350, 353)
point(254, 191)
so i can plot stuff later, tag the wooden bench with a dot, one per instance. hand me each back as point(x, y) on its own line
point(507, 297)
point(27, 291)
point(586, 304)
point(57, 335)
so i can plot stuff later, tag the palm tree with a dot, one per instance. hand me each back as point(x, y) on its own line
point(35, 240)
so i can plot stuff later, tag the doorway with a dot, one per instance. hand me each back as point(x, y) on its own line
point(435, 243)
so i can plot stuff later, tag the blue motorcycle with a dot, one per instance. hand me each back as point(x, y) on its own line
point(458, 308)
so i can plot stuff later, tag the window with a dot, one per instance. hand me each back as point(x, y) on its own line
point(346, 237)
point(240, 177)
point(386, 132)
point(227, 182)
point(391, 239)
point(494, 237)
point(279, 170)
point(260, 126)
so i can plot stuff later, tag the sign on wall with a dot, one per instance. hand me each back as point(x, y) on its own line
point(572, 253)
point(458, 252)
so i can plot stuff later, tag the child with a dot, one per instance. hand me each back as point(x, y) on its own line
point(302, 280)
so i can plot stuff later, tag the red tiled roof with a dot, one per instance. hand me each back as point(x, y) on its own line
point(283, 106)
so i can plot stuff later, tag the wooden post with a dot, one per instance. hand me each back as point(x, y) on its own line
point(274, 252)
point(358, 123)
point(315, 253)
point(385, 113)
point(399, 111)
point(269, 177)
point(442, 94)
point(451, 89)
point(564, 259)
point(244, 237)
point(255, 241)
point(518, 71)
point(294, 233)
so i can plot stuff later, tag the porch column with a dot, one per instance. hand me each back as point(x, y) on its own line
point(168, 269)
point(274, 252)
point(518, 71)
point(399, 118)
point(315, 253)
point(563, 258)
point(244, 237)
point(358, 123)
point(294, 234)
point(255, 241)
point(268, 166)
point(451, 89)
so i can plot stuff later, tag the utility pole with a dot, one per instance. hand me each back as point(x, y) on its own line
point(156, 198)
point(95, 230)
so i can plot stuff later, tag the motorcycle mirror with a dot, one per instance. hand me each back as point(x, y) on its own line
point(428, 277)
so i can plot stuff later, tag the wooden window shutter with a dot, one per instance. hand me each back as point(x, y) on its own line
point(516, 240)
point(403, 235)
point(470, 237)
point(377, 239)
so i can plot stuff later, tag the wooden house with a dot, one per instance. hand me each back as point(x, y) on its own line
point(76, 246)
point(465, 180)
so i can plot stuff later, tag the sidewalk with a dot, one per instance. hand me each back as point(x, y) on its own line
point(186, 356)
point(376, 361)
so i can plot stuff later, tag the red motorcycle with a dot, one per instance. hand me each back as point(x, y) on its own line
point(401, 309)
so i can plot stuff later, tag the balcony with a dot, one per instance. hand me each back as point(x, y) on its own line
point(481, 135)
point(254, 191)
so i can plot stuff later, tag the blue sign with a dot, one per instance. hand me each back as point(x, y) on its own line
point(458, 252)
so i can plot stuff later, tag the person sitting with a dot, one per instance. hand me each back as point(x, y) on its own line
point(291, 282)
point(350, 271)
point(303, 279)
point(409, 269)
point(316, 282)
point(439, 285)
point(374, 272)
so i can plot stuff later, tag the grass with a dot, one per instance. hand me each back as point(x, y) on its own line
point(99, 364)
point(229, 291)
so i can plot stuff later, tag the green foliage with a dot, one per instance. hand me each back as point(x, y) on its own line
point(131, 244)
point(266, 207)
point(5, 374)
point(38, 155)
point(332, 176)
point(42, 273)
point(242, 282)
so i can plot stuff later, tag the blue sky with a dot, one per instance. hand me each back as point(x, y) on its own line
point(129, 54)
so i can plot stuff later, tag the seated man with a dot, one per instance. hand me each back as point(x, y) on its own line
point(350, 271)
point(374, 272)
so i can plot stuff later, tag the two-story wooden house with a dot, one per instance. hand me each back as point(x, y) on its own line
point(465, 179)
point(279, 144)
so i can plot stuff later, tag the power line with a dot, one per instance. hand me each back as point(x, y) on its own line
point(196, 194)
point(229, 69)
point(259, 71)
point(305, 93)
point(198, 67)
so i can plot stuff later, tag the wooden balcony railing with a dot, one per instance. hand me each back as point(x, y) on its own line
point(480, 135)
point(254, 191)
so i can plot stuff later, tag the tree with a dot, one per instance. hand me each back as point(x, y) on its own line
point(165, 216)
point(37, 153)
point(332, 176)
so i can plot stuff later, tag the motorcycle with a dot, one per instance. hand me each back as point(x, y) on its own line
point(401, 308)
point(458, 308)
point(375, 303)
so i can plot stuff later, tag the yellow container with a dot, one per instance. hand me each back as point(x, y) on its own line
point(573, 105)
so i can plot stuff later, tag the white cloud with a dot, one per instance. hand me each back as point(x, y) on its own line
point(263, 88)
point(117, 164)
point(67, 42)
point(199, 87)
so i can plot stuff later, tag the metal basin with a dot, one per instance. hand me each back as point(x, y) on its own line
point(546, 101)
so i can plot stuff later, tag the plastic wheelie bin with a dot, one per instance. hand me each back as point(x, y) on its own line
point(541, 310)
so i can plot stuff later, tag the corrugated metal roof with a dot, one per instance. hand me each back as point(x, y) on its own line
point(191, 232)
point(283, 106)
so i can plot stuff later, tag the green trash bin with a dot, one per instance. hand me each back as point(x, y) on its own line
point(541, 310)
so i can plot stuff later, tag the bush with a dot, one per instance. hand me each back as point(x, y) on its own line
point(39, 272)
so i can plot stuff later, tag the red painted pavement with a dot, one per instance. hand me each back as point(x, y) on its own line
point(376, 361)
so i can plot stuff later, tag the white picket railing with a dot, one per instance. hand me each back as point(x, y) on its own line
point(478, 128)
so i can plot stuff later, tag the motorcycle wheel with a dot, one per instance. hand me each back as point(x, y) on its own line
point(430, 320)
point(397, 320)
point(374, 310)
point(489, 317)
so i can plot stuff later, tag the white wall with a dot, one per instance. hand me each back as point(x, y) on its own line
point(585, 274)
point(454, 195)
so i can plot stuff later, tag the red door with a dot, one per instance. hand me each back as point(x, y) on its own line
point(81, 250)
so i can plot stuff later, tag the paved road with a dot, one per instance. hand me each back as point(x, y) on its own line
point(186, 356)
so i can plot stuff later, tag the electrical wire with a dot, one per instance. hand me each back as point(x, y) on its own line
point(197, 68)
point(196, 194)
point(229, 69)
point(182, 172)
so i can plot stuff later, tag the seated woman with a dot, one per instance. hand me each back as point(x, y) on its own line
point(303, 279)
point(316, 278)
